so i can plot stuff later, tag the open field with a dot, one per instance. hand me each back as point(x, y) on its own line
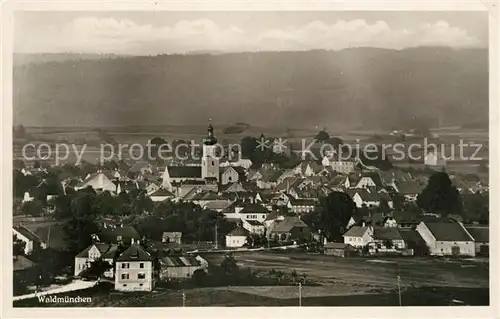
point(344, 282)
point(360, 275)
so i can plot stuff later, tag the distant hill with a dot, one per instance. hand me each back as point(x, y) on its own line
point(22, 58)
point(368, 87)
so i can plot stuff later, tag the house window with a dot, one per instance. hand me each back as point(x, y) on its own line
point(229, 178)
point(213, 163)
point(125, 265)
point(124, 285)
point(125, 276)
point(140, 285)
point(119, 238)
point(141, 265)
point(141, 275)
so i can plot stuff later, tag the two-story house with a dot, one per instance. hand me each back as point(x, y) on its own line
point(134, 270)
point(358, 236)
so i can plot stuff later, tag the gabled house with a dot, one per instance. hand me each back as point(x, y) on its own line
point(229, 175)
point(358, 236)
point(111, 234)
point(386, 239)
point(254, 211)
point(134, 270)
point(307, 168)
point(152, 187)
point(368, 180)
point(237, 237)
point(410, 189)
point(29, 238)
point(161, 194)
point(289, 229)
point(99, 182)
point(447, 238)
point(269, 178)
point(363, 197)
point(96, 251)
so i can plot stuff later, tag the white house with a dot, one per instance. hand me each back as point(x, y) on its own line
point(27, 197)
point(237, 237)
point(344, 167)
point(364, 197)
point(134, 270)
point(254, 227)
point(99, 182)
point(28, 237)
point(358, 236)
point(434, 159)
point(229, 175)
point(447, 238)
point(96, 251)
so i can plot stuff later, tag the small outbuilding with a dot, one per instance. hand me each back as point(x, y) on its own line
point(339, 250)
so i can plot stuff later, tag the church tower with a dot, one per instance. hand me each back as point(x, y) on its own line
point(210, 161)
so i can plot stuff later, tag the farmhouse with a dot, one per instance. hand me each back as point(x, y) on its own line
point(134, 270)
point(447, 238)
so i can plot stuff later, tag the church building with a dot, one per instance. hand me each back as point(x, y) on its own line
point(207, 173)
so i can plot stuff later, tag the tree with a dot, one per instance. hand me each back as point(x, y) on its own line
point(199, 277)
point(440, 196)
point(336, 142)
point(322, 136)
point(384, 206)
point(82, 224)
point(97, 268)
point(248, 146)
point(32, 208)
point(333, 214)
point(18, 246)
point(295, 276)
point(475, 208)
point(229, 265)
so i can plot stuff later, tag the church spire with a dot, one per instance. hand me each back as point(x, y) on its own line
point(210, 139)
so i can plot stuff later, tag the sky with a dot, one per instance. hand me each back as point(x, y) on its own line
point(151, 33)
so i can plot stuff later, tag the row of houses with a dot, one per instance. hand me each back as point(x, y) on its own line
point(443, 238)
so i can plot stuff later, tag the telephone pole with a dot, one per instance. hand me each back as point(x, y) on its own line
point(183, 299)
point(300, 294)
point(399, 290)
point(216, 244)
